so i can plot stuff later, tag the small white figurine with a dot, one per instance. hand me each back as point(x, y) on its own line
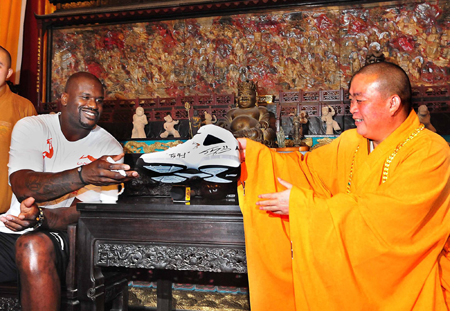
point(169, 127)
point(327, 117)
point(209, 118)
point(139, 123)
point(425, 117)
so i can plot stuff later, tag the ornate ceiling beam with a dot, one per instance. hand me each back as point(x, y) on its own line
point(158, 10)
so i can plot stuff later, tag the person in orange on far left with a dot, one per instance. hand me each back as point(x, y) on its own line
point(13, 108)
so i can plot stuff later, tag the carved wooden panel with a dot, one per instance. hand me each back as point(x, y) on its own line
point(312, 110)
point(310, 96)
point(287, 110)
point(152, 256)
point(290, 97)
point(10, 304)
point(220, 112)
point(331, 95)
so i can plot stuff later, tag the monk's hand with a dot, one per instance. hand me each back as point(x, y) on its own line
point(277, 202)
point(27, 218)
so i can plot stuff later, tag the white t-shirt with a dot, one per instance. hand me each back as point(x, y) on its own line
point(38, 144)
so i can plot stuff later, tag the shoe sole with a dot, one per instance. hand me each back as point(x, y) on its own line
point(176, 173)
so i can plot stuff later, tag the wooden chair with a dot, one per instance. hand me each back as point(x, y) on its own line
point(116, 286)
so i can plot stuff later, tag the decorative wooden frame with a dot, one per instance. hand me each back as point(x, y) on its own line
point(152, 11)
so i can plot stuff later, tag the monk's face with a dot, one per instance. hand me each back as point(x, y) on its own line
point(370, 107)
point(5, 70)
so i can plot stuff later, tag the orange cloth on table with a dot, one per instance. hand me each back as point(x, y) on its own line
point(375, 248)
point(444, 263)
point(13, 108)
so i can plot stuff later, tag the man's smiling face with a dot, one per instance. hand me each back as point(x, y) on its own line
point(369, 107)
point(84, 103)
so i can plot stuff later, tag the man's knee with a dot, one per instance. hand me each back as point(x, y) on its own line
point(34, 251)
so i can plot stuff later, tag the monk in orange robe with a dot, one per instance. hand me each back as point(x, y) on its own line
point(13, 108)
point(359, 224)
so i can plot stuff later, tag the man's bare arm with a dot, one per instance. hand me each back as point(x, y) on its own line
point(44, 186)
point(60, 218)
point(49, 186)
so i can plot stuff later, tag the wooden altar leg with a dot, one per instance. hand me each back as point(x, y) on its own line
point(164, 295)
point(90, 280)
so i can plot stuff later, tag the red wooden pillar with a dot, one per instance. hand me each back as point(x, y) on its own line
point(32, 54)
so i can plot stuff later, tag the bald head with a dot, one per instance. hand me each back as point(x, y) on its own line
point(8, 56)
point(392, 80)
point(74, 79)
point(380, 100)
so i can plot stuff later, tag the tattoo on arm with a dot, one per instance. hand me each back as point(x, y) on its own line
point(44, 186)
point(50, 187)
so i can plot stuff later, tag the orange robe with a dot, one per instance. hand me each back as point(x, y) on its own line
point(375, 248)
point(12, 108)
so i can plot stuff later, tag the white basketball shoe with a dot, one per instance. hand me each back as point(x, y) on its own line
point(212, 155)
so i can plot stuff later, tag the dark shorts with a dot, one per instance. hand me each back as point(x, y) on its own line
point(8, 269)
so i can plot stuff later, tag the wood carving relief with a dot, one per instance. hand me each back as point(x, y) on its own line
point(198, 258)
point(300, 48)
point(10, 304)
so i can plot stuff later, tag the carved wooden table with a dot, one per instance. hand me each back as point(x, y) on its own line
point(154, 233)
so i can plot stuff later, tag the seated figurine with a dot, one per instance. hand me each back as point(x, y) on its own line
point(169, 127)
point(248, 120)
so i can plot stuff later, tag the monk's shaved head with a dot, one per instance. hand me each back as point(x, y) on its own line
point(8, 57)
point(76, 77)
point(392, 80)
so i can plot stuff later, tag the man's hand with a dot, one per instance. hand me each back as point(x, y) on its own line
point(102, 172)
point(26, 219)
point(278, 202)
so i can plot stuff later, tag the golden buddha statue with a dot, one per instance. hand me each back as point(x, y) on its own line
point(247, 119)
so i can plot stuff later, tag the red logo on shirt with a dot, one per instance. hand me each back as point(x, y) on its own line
point(83, 159)
point(48, 154)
